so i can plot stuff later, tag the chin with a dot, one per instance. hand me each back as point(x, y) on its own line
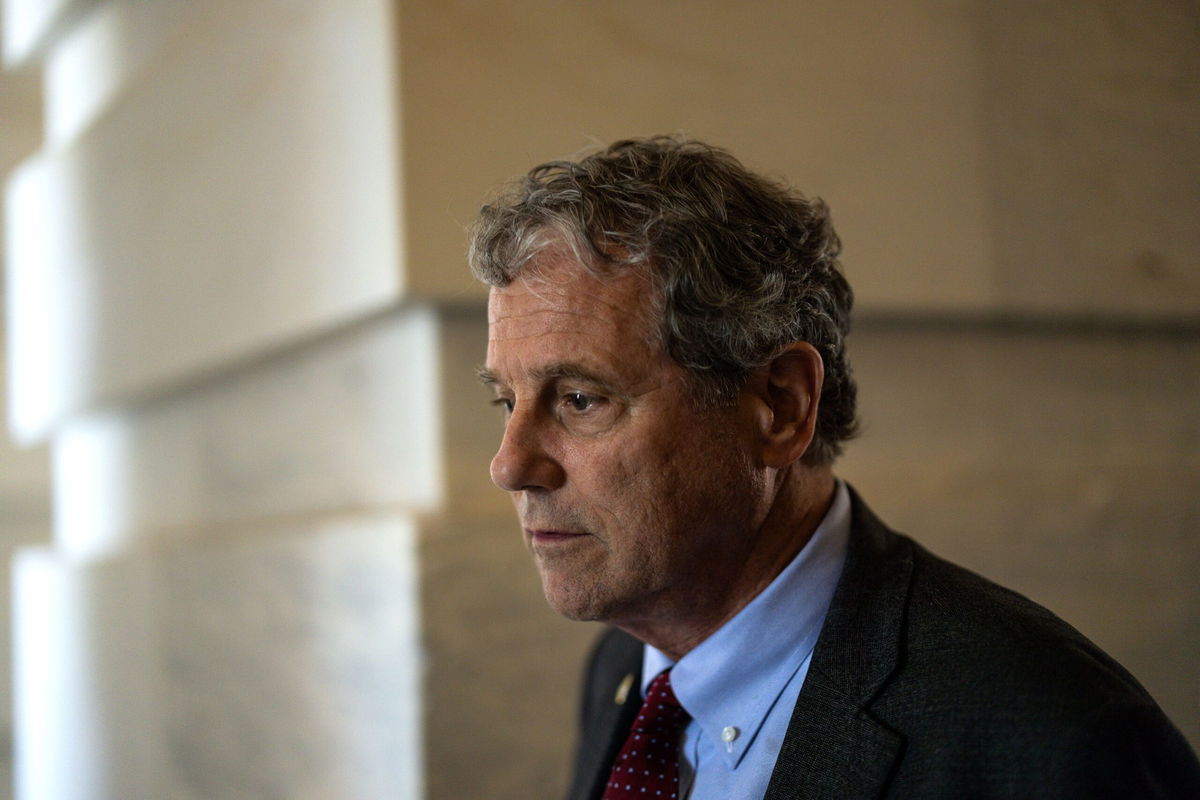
point(574, 602)
point(572, 608)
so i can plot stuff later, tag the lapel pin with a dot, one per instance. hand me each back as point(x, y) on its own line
point(623, 690)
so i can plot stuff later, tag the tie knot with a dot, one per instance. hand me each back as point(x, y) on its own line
point(661, 710)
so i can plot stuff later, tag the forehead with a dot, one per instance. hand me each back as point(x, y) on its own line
point(558, 310)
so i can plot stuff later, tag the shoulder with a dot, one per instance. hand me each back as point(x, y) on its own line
point(1008, 689)
point(933, 621)
point(984, 692)
point(964, 629)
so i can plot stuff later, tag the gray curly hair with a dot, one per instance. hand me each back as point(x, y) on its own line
point(743, 265)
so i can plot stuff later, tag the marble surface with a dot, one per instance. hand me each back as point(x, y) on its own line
point(105, 50)
point(194, 223)
point(85, 683)
point(31, 25)
point(276, 661)
point(24, 473)
point(292, 664)
point(339, 425)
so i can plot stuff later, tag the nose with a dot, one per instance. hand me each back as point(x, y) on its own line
point(523, 462)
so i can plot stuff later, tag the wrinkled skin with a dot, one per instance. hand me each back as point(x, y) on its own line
point(640, 509)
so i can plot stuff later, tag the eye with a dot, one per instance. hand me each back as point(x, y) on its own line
point(586, 414)
point(579, 402)
point(504, 403)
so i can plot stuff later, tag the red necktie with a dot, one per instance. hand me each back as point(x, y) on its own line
point(648, 764)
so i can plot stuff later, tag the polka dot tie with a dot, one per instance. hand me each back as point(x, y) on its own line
point(648, 764)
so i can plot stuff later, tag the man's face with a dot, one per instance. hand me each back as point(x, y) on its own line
point(635, 504)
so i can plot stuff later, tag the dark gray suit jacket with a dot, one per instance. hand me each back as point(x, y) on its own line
point(930, 682)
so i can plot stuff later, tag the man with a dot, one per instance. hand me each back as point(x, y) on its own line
point(666, 338)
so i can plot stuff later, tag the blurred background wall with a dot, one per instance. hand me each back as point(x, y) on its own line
point(257, 551)
point(24, 472)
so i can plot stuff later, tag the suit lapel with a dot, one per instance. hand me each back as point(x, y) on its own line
point(834, 748)
point(608, 721)
point(615, 727)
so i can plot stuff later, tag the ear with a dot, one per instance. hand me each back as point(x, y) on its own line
point(788, 392)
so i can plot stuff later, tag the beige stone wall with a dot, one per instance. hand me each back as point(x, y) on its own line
point(979, 156)
point(1089, 121)
point(871, 105)
point(249, 338)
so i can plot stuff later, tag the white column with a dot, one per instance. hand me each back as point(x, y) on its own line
point(207, 323)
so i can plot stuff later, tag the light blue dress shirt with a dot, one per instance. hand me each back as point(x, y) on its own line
point(740, 684)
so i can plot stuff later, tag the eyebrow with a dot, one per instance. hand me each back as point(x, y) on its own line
point(552, 372)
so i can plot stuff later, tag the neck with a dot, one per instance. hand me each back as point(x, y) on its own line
point(802, 500)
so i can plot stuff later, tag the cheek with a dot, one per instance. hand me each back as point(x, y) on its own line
point(709, 476)
point(622, 483)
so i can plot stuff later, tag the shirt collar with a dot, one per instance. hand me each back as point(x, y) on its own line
point(734, 677)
